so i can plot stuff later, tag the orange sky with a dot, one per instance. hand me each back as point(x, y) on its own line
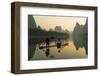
point(47, 22)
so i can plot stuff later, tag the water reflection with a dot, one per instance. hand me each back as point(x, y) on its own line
point(80, 42)
point(56, 49)
point(45, 46)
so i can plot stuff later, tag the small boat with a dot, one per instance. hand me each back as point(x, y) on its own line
point(41, 47)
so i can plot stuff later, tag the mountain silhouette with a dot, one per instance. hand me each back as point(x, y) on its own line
point(31, 22)
point(80, 36)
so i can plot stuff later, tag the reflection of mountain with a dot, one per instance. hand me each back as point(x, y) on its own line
point(31, 51)
point(80, 36)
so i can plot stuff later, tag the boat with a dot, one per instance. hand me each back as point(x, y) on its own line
point(41, 47)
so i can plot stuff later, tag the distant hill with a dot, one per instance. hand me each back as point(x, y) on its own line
point(37, 32)
point(80, 30)
point(31, 22)
point(80, 36)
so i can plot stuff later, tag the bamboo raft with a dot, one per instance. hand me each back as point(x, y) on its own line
point(41, 47)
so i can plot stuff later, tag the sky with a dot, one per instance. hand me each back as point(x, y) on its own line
point(47, 22)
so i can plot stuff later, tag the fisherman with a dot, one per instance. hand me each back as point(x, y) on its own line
point(47, 42)
point(58, 43)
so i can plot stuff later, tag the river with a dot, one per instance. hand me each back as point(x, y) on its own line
point(68, 50)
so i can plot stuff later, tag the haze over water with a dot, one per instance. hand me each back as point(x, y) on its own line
point(44, 38)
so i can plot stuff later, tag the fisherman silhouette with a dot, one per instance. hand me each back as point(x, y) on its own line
point(47, 42)
point(58, 43)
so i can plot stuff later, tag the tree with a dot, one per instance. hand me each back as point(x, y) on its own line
point(39, 27)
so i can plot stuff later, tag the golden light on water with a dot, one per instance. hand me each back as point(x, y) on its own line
point(47, 22)
point(68, 52)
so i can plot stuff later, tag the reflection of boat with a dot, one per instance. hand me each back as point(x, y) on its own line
point(41, 47)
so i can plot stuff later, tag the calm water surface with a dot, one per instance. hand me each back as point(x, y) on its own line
point(68, 50)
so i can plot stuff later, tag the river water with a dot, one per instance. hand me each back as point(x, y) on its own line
point(67, 51)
